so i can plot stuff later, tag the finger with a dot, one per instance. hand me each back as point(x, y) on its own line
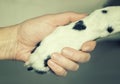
point(65, 18)
point(64, 62)
point(75, 55)
point(58, 70)
point(88, 46)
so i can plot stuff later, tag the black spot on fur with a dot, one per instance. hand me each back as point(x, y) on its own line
point(40, 72)
point(110, 29)
point(46, 60)
point(37, 45)
point(29, 68)
point(79, 25)
point(104, 11)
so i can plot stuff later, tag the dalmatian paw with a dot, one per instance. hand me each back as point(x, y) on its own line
point(100, 23)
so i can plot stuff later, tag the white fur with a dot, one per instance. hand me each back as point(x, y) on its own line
point(65, 36)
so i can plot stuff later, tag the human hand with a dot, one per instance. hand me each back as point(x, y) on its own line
point(70, 58)
point(34, 30)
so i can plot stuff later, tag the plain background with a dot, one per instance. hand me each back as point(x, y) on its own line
point(103, 68)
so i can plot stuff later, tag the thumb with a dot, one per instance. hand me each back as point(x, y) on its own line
point(66, 18)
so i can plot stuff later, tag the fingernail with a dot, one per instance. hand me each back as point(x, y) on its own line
point(88, 58)
point(87, 48)
point(85, 59)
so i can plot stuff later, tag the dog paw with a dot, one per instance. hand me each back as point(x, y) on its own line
point(38, 60)
point(101, 23)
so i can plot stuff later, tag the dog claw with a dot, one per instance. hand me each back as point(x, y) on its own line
point(29, 68)
point(40, 72)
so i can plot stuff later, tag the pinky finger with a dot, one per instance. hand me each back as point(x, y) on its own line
point(58, 70)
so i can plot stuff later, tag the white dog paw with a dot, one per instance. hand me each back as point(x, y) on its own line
point(100, 23)
point(38, 62)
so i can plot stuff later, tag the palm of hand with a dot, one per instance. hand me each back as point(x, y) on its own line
point(30, 33)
